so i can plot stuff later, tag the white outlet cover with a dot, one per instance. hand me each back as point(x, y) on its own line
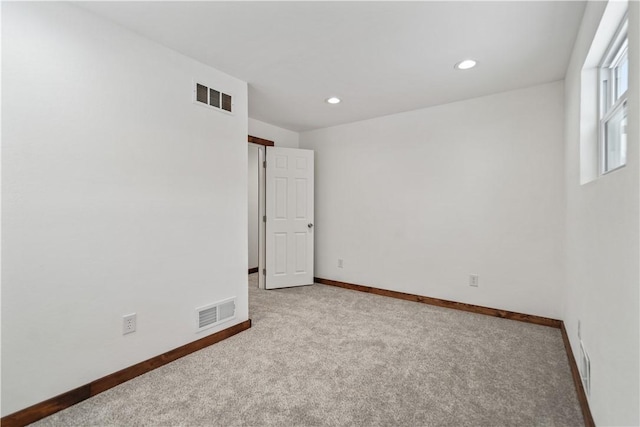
point(473, 280)
point(128, 323)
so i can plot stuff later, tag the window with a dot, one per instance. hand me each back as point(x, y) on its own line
point(613, 82)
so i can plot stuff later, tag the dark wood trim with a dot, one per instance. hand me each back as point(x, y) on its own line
point(261, 141)
point(253, 270)
point(538, 320)
point(577, 381)
point(70, 398)
point(48, 407)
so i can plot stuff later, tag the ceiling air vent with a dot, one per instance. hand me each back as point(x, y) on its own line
point(213, 98)
point(211, 315)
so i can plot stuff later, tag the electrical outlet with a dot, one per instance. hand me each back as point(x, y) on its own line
point(128, 323)
point(473, 280)
point(340, 263)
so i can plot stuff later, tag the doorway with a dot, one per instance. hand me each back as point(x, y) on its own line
point(280, 214)
point(256, 198)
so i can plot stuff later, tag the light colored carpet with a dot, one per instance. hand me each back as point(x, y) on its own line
point(320, 355)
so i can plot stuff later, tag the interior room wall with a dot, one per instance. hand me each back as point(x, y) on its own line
point(119, 195)
point(416, 202)
point(253, 214)
point(280, 136)
point(602, 244)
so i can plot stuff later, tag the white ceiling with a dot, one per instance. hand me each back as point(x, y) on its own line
point(379, 57)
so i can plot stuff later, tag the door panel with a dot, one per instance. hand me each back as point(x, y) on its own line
point(289, 222)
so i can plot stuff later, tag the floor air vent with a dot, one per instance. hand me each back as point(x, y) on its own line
point(214, 314)
point(585, 369)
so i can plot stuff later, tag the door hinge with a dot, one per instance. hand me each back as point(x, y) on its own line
point(264, 218)
point(264, 271)
point(264, 164)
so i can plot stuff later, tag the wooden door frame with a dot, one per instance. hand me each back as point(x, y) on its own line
point(262, 237)
point(261, 141)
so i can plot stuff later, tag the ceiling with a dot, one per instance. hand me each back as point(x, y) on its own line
point(379, 57)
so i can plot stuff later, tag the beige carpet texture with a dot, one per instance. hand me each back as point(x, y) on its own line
point(325, 356)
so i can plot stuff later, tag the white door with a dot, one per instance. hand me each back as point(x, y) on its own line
point(289, 217)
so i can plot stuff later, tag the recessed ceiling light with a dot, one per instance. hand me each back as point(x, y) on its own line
point(333, 100)
point(466, 64)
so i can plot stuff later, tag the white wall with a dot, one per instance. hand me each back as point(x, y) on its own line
point(253, 215)
point(119, 195)
point(280, 136)
point(415, 202)
point(602, 246)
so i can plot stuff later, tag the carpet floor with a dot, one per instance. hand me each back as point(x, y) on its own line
point(320, 355)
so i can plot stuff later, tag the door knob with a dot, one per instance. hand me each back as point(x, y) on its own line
point(310, 225)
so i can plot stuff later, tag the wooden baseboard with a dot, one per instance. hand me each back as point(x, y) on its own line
point(253, 270)
point(70, 398)
point(538, 320)
point(577, 381)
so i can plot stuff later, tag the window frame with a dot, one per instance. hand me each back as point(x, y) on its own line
point(610, 102)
